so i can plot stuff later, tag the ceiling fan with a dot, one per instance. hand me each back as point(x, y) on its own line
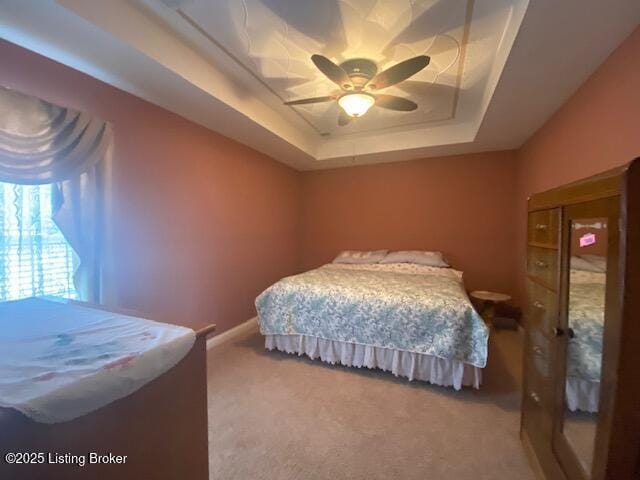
point(357, 78)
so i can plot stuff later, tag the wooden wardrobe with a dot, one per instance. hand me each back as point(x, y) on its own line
point(581, 390)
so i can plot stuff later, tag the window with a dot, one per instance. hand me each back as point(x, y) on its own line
point(35, 258)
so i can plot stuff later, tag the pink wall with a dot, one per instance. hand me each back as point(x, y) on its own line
point(597, 129)
point(461, 205)
point(202, 223)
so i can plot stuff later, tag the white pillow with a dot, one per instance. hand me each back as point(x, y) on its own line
point(355, 256)
point(433, 259)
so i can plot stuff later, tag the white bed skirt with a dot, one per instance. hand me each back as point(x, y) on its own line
point(582, 395)
point(414, 366)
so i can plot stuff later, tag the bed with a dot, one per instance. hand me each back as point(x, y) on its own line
point(586, 318)
point(415, 321)
point(76, 379)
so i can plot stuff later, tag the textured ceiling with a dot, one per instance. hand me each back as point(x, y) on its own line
point(500, 68)
point(265, 48)
point(274, 40)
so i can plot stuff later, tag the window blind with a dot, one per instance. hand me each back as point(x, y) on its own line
point(35, 258)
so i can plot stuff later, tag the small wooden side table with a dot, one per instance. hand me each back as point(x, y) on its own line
point(489, 301)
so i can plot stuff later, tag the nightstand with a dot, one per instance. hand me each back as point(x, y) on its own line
point(489, 301)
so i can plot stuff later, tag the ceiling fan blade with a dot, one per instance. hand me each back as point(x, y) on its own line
point(391, 102)
point(306, 101)
point(332, 71)
point(344, 119)
point(399, 72)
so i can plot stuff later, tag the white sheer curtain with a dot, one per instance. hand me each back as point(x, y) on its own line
point(35, 258)
point(45, 144)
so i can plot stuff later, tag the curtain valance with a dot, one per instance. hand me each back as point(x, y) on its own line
point(44, 143)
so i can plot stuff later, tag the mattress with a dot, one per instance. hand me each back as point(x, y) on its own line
point(62, 360)
point(409, 308)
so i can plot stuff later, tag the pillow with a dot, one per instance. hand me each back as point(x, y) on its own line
point(355, 256)
point(433, 259)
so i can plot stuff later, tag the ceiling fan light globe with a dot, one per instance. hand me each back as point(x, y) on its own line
point(356, 104)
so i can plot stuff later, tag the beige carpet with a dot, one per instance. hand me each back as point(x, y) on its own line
point(278, 417)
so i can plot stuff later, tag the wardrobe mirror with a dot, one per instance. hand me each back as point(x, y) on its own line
point(586, 308)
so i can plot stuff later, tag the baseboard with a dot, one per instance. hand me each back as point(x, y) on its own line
point(232, 333)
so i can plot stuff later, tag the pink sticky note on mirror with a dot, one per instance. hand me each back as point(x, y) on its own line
point(587, 239)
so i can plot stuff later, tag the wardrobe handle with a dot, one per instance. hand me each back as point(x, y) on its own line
point(541, 226)
point(535, 397)
point(541, 264)
point(537, 350)
point(538, 305)
point(558, 332)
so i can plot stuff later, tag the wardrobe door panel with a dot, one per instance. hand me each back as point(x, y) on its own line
point(589, 247)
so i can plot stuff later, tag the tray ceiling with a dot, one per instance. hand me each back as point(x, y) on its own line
point(231, 64)
point(274, 41)
point(271, 43)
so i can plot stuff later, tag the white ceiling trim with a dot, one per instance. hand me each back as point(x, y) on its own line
point(487, 33)
point(57, 32)
point(145, 48)
point(130, 24)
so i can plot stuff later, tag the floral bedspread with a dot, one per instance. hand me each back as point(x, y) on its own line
point(586, 318)
point(420, 310)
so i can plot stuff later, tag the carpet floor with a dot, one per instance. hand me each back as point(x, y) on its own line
point(278, 417)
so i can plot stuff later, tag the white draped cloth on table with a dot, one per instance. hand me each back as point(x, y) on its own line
point(60, 361)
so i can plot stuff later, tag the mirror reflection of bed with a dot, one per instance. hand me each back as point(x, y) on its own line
point(587, 280)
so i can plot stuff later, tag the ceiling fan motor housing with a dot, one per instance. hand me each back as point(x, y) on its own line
point(356, 74)
point(360, 71)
